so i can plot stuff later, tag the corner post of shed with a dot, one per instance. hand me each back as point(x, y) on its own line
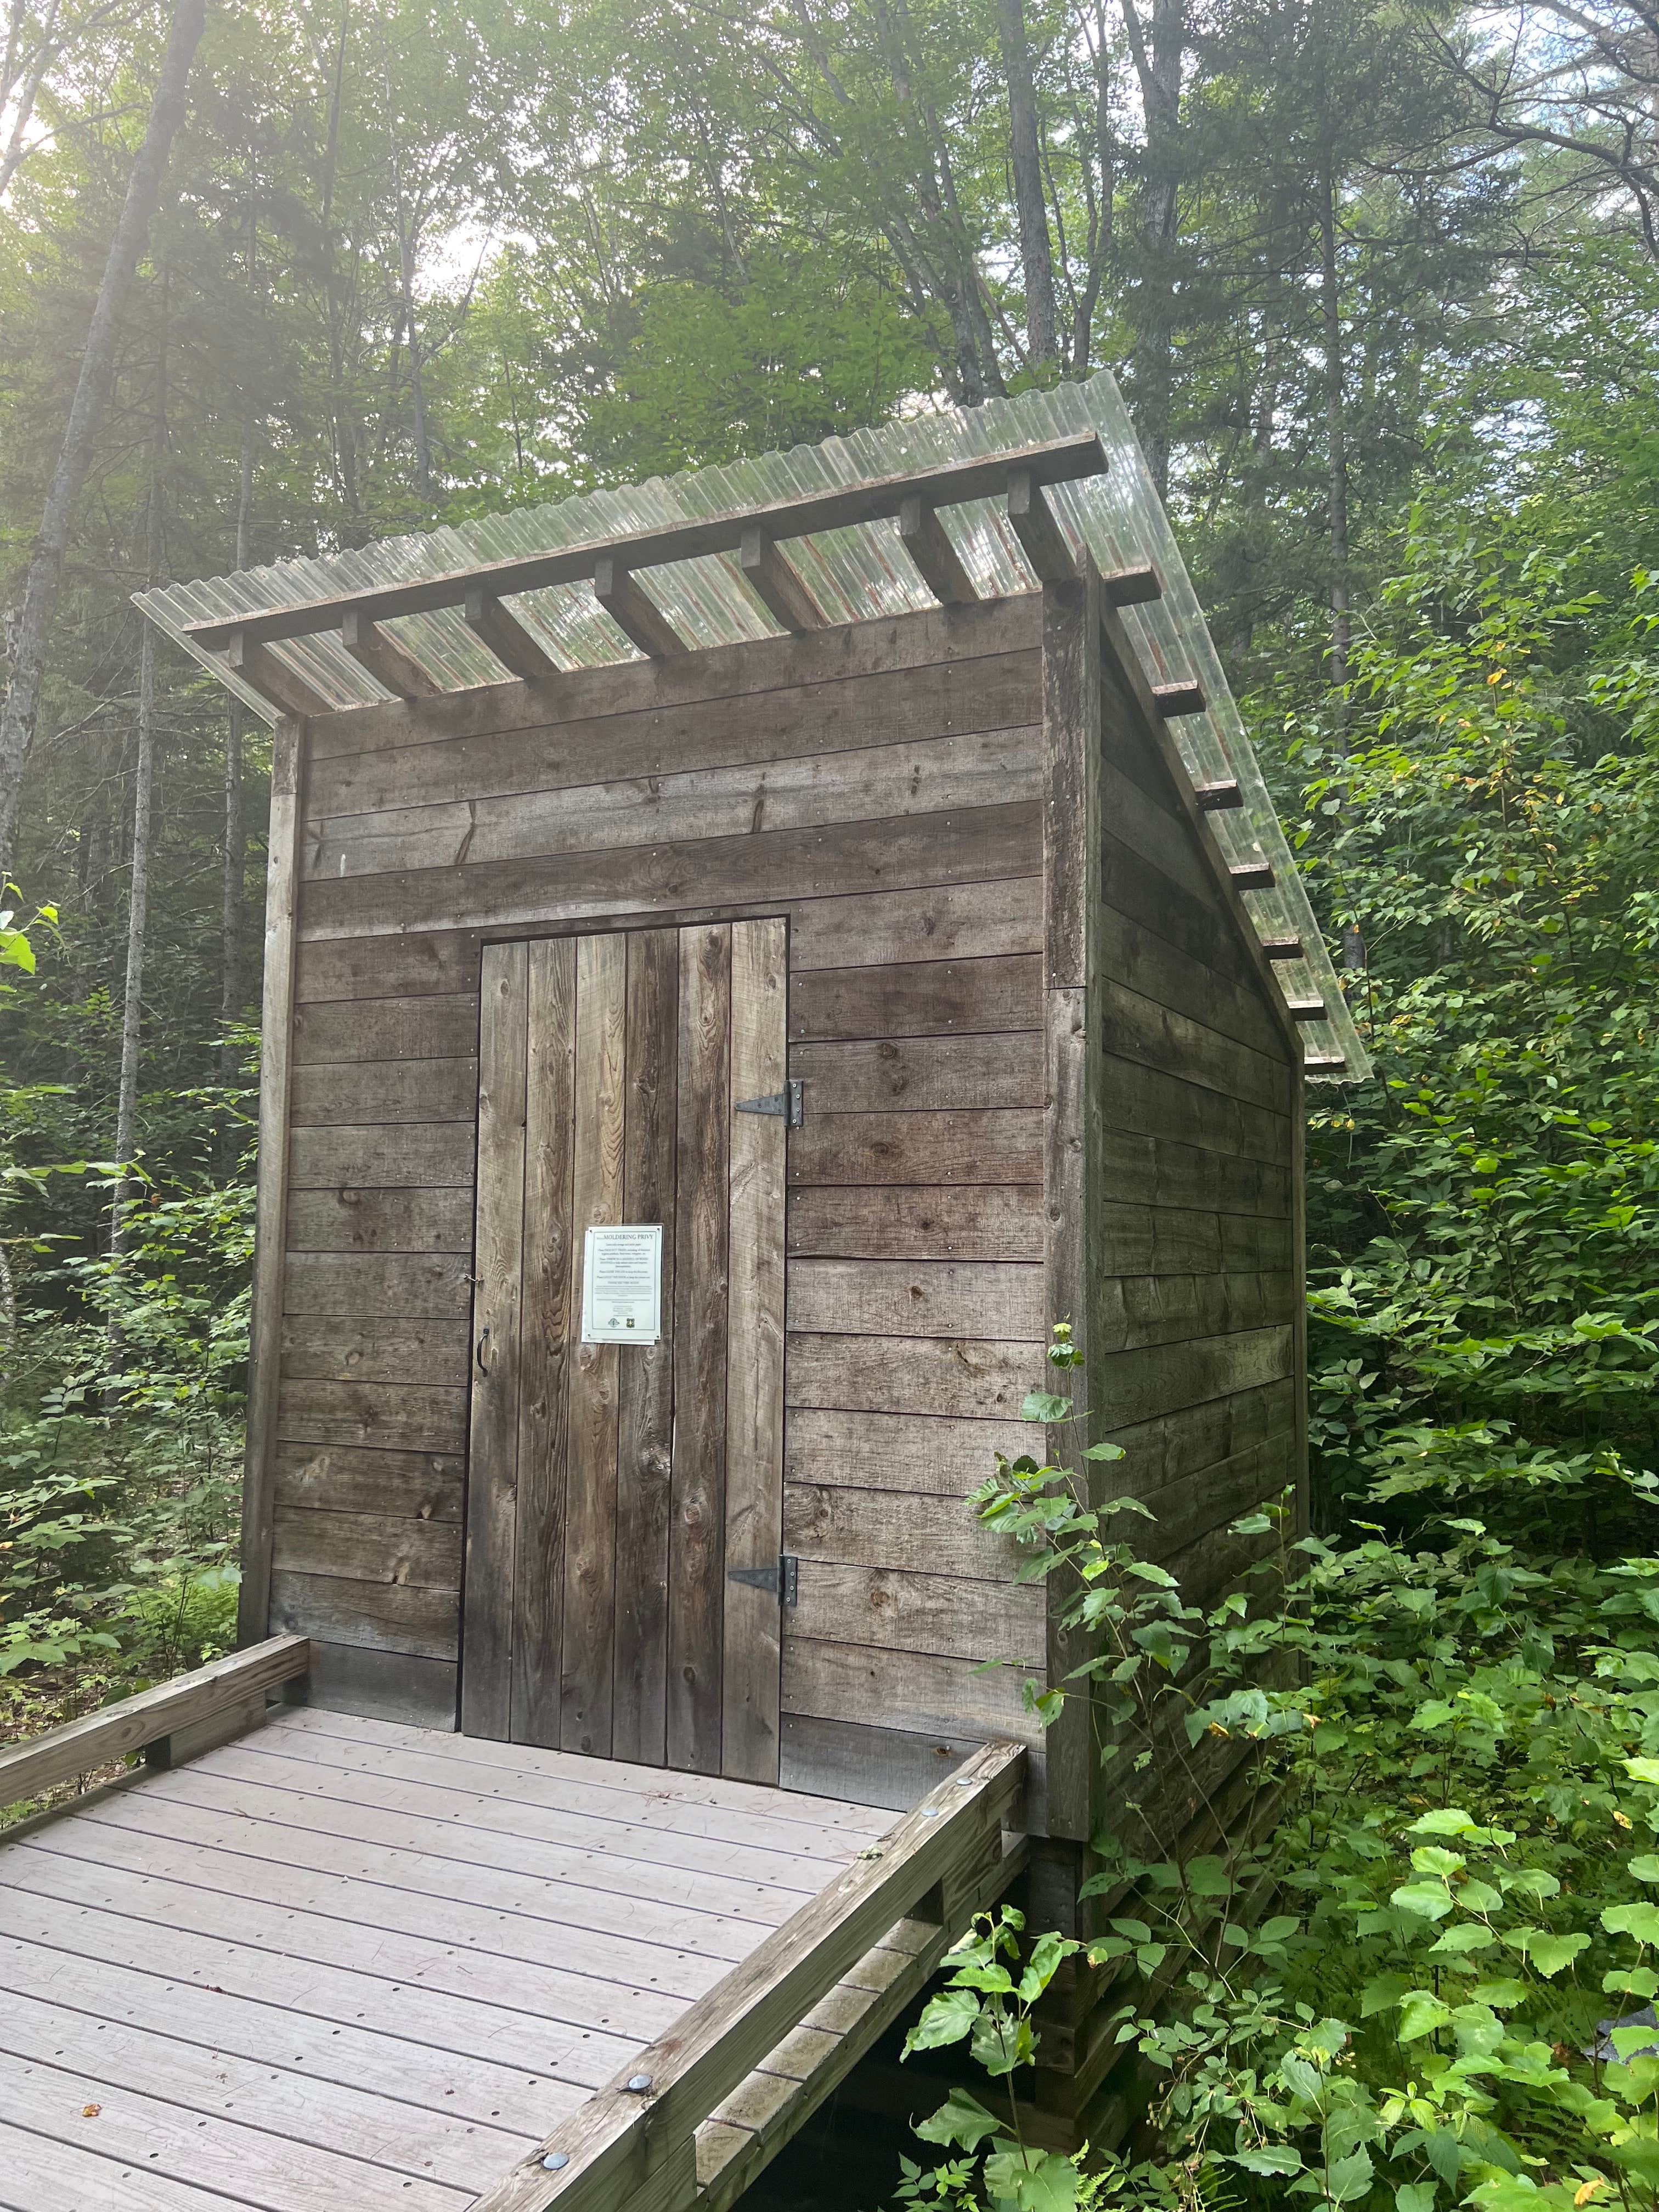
point(1073, 1135)
point(271, 1216)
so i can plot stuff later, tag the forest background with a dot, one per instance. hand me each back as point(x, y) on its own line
point(1379, 279)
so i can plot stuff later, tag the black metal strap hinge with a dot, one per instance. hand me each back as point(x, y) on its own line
point(783, 1580)
point(786, 1102)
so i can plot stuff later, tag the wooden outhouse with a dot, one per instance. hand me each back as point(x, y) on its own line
point(846, 874)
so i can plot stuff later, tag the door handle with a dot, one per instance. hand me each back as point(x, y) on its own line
point(478, 1352)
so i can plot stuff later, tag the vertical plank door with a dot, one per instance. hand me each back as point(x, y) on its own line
point(613, 1490)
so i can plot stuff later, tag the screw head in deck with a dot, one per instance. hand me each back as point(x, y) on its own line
point(639, 2083)
point(556, 2161)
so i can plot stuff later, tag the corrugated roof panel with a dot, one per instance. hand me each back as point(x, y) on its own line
point(854, 574)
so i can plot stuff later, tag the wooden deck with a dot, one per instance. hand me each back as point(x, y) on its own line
point(340, 1963)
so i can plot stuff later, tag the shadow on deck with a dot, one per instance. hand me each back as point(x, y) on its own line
point(340, 1963)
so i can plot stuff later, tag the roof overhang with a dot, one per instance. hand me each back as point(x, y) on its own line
point(945, 508)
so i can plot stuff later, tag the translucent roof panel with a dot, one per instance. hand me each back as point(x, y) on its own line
point(853, 574)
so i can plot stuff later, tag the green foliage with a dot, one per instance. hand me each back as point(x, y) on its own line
point(1484, 1225)
point(1418, 1966)
point(120, 1449)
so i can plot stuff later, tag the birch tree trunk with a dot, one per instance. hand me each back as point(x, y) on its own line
point(45, 568)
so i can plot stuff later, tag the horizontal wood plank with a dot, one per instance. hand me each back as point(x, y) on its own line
point(1151, 1171)
point(1138, 1029)
point(1145, 1102)
point(431, 1352)
point(940, 1613)
point(908, 1689)
point(934, 1297)
point(1164, 1240)
point(368, 1091)
point(967, 846)
point(350, 1220)
point(424, 1623)
point(894, 1075)
point(427, 1154)
point(883, 1766)
point(915, 1456)
point(1170, 1447)
point(427, 1027)
point(1004, 1146)
point(1138, 1386)
point(392, 1686)
point(404, 1485)
point(397, 1417)
point(1143, 962)
point(845, 1525)
point(939, 921)
point(622, 808)
point(1146, 1309)
point(913, 1375)
point(960, 639)
point(917, 998)
point(394, 1286)
point(367, 1548)
point(415, 965)
point(987, 1221)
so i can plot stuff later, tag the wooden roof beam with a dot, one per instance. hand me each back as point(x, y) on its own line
point(776, 585)
point(386, 660)
point(1307, 1010)
point(1219, 798)
point(1133, 587)
point(1172, 699)
point(636, 615)
point(273, 679)
point(937, 560)
point(1034, 523)
point(1283, 948)
point(497, 627)
point(1252, 875)
point(1057, 460)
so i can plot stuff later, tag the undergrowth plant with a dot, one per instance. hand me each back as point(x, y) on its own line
point(1427, 1978)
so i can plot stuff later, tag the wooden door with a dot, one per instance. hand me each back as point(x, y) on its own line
point(615, 1490)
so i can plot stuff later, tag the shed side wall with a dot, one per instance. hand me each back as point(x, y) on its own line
point(1198, 1360)
point(879, 786)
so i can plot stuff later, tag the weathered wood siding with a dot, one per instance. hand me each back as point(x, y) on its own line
point(1196, 1288)
point(879, 786)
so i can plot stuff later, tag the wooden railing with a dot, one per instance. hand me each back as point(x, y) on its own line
point(633, 2145)
point(138, 1723)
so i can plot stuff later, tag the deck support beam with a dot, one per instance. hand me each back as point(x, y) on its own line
point(636, 2147)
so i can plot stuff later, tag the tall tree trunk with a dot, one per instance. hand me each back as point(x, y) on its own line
point(1025, 142)
point(144, 776)
point(92, 385)
point(406, 281)
point(1336, 442)
point(1157, 61)
point(230, 954)
point(126, 1106)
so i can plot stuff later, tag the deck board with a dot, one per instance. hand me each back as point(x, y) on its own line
point(343, 1961)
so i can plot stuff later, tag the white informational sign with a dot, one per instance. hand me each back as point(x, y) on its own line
point(621, 1285)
